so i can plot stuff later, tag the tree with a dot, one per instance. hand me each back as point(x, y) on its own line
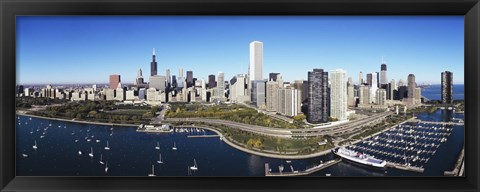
point(92, 113)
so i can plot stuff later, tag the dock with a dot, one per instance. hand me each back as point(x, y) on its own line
point(441, 123)
point(300, 173)
point(405, 167)
point(202, 136)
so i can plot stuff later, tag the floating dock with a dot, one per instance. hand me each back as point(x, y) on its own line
point(300, 173)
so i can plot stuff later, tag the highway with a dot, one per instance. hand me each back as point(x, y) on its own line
point(336, 130)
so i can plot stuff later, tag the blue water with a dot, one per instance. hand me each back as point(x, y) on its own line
point(133, 153)
point(434, 92)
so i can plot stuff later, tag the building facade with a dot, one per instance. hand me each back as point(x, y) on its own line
point(318, 110)
point(447, 87)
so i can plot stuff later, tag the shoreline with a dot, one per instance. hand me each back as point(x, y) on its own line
point(259, 153)
point(226, 140)
point(72, 121)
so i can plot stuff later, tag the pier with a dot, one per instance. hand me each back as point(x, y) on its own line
point(441, 123)
point(299, 173)
point(202, 136)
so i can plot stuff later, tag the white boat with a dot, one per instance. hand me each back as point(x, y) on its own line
point(88, 140)
point(31, 132)
point(174, 146)
point(42, 136)
point(107, 147)
point(28, 118)
point(98, 141)
point(24, 155)
point(91, 152)
point(101, 159)
point(158, 146)
point(35, 146)
point(106, 166)
point(79, 152)
point(288, 161)
point(194, 167)
point(160, 159)
point(153, 171)
point(359, 157)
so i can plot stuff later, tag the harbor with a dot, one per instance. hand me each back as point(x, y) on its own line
point(408, 146)
point(100, 150)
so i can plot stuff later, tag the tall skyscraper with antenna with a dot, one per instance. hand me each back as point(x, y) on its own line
point(153, 65)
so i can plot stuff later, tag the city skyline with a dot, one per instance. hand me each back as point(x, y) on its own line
point(230, 52)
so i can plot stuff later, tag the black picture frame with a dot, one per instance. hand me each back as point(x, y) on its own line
point(11, 8)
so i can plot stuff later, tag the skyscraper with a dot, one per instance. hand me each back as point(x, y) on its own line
point(189, 79)
point(272, 95)
point(114, 81)
point(153, 65)
point(139, 80)
point(374, 86)
point(393, 89)
point(411, 88)
point(360, 78)
point(317, 96)
point(169, 81)
point(158, 82)
point(381, 96)
point(221, 85)
point(369, 79)
point(258, 93)
point(272, 76)
point(383, 74)
point(180, 72)
point(447, 87)
point(255, 69)
point(211, 81)
point(338, 94)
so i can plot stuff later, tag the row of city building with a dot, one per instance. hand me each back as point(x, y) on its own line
point(322, 96)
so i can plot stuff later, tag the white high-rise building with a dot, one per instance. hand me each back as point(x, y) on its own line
point(220, 85)
point(374, 87)
point(338, 94)
point(255, 68)
point(237, 90)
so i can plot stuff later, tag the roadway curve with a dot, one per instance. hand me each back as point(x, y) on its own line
point(283, 132)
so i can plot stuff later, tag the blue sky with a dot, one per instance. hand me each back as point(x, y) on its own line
point(87, 49)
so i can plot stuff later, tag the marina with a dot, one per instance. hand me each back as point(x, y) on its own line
point(408, 146)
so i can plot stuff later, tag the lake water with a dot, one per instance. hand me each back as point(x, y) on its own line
point(434, 92)
point(133, 153)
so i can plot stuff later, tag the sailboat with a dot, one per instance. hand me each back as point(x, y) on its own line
point(79, 152)
point(160, 159)
point(153, 171)
point(101, 157)
point(194, 167)
point(106, 166)
point(158, 146)
point(107, 147)
point(174, 146)
point(35, 146)
point(91, 152)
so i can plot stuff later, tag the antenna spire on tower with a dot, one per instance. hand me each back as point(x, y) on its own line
point(153, 51)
